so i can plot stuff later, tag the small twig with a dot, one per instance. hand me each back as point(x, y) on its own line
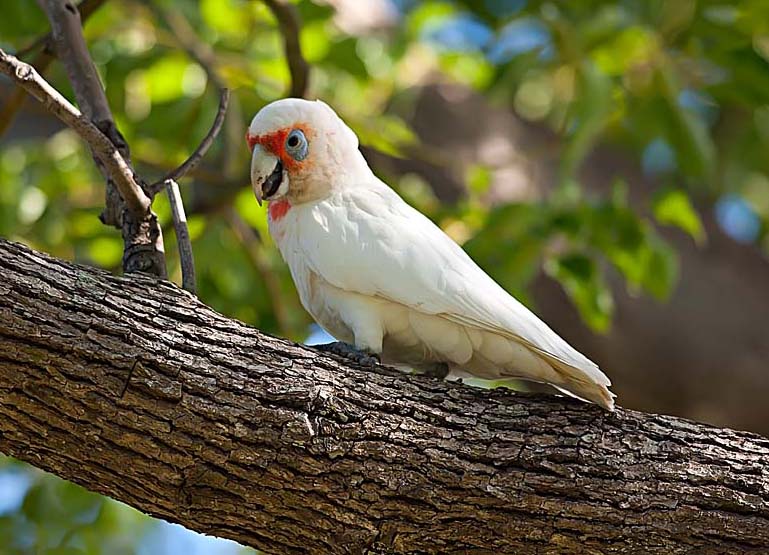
point(288, 20)
point(41, 62)
point(195, 158)
point(253, 246)
point(119, 171)
point(186, 257)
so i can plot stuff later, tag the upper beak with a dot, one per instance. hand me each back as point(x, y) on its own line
point(266, 173)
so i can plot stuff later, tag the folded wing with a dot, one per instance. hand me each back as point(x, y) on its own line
point(394, 252)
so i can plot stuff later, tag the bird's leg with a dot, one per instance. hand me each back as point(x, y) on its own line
point(350, 352)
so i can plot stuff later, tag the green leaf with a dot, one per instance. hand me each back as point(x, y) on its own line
point(673, 207)
point(343, 54)
point(585, 285)
point(427, 15)
point(22, 20)
point(686, 131)
point(662, 270)
point(478, 178)
point(589, 113)
point(389, 134)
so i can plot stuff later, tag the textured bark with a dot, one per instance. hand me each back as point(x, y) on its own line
point(133, 388)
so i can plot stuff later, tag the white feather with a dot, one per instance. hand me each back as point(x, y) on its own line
point(366, 249)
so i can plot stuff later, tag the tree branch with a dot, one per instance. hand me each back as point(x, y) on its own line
point(71, 49)
point(41, 63)
point(288, 20)
point(195, 158)
point(85, 8)
point(142, 237)
point(186, 258)
point(25, 76)
point(133, 388)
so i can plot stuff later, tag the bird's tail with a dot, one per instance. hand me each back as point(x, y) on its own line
point(589, 384)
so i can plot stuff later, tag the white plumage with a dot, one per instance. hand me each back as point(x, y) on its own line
point(375, 272)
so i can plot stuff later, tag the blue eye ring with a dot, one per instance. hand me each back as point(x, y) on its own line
point(297, 145)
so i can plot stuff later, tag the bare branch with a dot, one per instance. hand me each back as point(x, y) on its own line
point(28, 78)
point(186, 257)
point(195, 158)
point(73, 52)
point(288, 20)
point(142, 236)
point(41, 63)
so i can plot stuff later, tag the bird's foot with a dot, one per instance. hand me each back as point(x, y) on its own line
point(350, 353)
point(438, 370)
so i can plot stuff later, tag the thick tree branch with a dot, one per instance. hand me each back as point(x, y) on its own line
point(143, 240)
point(72, 51)
point(133, 388)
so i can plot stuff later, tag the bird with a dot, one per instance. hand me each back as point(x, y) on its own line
point(381, 277)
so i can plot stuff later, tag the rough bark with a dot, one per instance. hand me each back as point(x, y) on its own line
point(133, 388)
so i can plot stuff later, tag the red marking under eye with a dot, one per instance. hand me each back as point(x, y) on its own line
point(278, 209)
point(275, 143)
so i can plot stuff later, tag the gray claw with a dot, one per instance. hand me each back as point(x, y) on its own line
point(349, 352)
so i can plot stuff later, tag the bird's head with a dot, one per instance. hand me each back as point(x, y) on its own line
point(300, 150)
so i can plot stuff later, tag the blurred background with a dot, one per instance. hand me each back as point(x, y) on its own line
point(605, 160)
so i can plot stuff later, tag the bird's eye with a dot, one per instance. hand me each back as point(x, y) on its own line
point(296, 145)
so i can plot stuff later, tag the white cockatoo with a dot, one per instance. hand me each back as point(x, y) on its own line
point(377, 274)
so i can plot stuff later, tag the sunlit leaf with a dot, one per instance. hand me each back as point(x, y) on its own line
point(584, 284)
point(673, 207)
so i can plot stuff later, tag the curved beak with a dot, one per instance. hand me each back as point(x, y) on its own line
point(266, 173)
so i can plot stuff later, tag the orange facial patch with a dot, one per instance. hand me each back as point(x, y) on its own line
point(275, 143)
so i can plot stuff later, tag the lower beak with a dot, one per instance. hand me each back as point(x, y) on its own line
point(266, 173)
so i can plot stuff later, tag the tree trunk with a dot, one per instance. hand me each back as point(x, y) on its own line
point(131, 387)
